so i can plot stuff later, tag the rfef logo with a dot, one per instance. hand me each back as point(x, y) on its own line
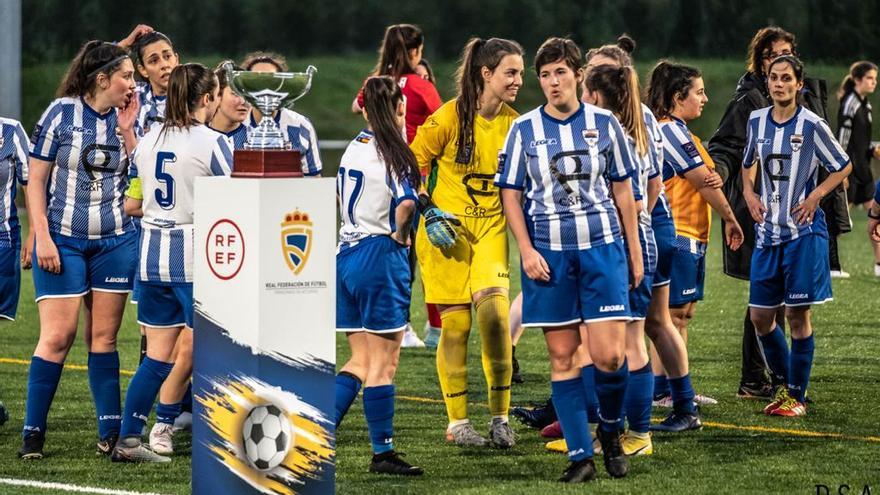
point(296, 240)
point(224, 248)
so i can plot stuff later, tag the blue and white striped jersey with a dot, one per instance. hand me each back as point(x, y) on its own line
point(789, 154)
point(562, 167)
point(645, 169)
point(301, 135)
point(89, 176)
point(661, 211)
point(238, 136)
point(152, 111)
point(13, 171)
point(168, 164)
point(368, 195)
point(680, 154)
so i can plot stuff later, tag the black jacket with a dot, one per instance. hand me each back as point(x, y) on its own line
point(726, 149)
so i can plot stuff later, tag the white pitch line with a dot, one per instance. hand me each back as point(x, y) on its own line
point(68, 488)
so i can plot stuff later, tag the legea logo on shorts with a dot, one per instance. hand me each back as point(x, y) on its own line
point(688, 292)
point(116, 280)
point(296, 240)
point(612, 307)
point(798, 296)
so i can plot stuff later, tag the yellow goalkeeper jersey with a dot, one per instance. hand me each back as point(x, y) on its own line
point(463, 189)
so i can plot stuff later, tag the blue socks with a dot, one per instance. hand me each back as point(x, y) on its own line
point(167, 413)
point(379, 411)
point(104, 382)
point(588, 376)
point(611, 389)
point(347, 388)
point(142, 391)
point(801, 364)
point(661, 386)
point(777, 355)
point(187, 401)
point(43, 380)
point(570, 403)
point(637, 402)
point(682, 395)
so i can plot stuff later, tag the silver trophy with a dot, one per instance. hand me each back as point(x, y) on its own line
point(269, 91)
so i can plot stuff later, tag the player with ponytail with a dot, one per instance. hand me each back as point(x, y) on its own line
point(466, 266)
point(373, 274)
point(167, 160)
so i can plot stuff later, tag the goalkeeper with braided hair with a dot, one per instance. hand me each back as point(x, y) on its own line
point(462, 242)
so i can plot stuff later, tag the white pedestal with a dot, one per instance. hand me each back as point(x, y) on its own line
point(264, 341)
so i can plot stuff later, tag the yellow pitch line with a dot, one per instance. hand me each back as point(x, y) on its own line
point(710, 424)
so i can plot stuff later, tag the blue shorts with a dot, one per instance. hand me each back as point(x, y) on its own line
point(373, 286)
point(664, 236)
point(135, 290)
point(165, 305)
point(794, 273)
point(10, 273)
point(640, 297)
point(106, 265)
point(688, 271)
point(585, 285)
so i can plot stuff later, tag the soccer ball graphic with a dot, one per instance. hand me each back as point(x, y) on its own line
point(266, 436)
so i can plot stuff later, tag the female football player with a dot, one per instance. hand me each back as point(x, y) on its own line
point(170, 157)
point(557, 158)
point(400, 57)
point(156, 59)
point(299, 130)
point(378, 170)
point(232, 112)
point(854, 134)
point(664, 336)
point(470, 269)
point(85, 244)
point(790, 263)
point(676, 96)
point(13, 171)
point(616, 88)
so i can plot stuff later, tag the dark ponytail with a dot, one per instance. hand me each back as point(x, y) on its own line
point(186, 86)
point(477, 53)
point(619, 87)
point(856, 71)
point(669, 81)
point(94, 58)
point(399, 39)
point(382, 95)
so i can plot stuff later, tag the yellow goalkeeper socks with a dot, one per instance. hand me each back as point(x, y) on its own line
point(492, 320)
point(452, 362)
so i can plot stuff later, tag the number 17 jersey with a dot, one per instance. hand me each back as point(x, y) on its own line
point(789, 154)
point(167, 164)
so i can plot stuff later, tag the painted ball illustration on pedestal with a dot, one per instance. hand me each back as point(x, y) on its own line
point(266, 437)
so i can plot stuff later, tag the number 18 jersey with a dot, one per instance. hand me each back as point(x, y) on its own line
point(789, 154)
point(167, 164)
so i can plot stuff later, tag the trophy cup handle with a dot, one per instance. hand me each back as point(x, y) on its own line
point(310, 72)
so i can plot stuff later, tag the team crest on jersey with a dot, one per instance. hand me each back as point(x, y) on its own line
point(796, 141)
point(296, 240)
point(591, 136)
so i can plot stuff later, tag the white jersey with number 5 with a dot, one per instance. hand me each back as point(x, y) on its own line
point(168, 164)
point(367, 194)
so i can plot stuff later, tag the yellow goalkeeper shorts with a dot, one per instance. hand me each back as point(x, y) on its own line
point(477, 261)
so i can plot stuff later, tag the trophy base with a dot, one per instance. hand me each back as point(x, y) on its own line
point(267, 163)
